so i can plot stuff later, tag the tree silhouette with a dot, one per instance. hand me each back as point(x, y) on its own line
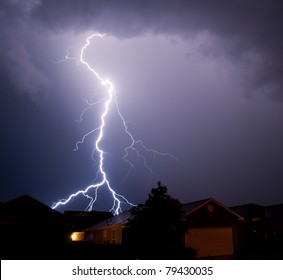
point(157, 228)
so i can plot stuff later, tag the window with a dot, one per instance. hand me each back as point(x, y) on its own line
point(210, 208)
point(104, 236)
point(113, 236)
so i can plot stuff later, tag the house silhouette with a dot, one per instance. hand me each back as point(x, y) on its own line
point(32, 230)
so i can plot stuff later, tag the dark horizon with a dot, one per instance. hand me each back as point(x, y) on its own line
point(161, 228)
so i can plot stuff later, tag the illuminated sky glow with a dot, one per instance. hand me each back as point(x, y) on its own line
point(101, 174)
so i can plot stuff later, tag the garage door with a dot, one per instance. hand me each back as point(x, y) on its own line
point(211, 241)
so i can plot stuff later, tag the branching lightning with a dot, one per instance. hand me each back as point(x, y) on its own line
point(136, 147)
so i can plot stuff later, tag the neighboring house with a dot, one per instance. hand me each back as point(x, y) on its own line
point(261, 220)
point(262, 232)
point(274, 221)
point(254, 216)
point(211, 228)
point(31, 229)
point(251, 212)
point(109, 231)
point(82, 219)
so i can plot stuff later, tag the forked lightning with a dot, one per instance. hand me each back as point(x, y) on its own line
point(135, 146)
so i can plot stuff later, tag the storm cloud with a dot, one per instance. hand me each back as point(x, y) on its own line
point(248, 32)
point(202, 80)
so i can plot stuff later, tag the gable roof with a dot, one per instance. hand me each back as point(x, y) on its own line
point(188, 207)
point(26, 209)
point(191, 207)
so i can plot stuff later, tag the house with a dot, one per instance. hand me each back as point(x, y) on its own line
point(82, 219)
point(251, 211)
point(274, 222)
point(261, 219)
point(31, 229)
point(109, 231)
point(261, 234)
point(211, 229)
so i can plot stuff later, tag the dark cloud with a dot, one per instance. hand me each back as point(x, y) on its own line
point(246, 28)
point(17, 65)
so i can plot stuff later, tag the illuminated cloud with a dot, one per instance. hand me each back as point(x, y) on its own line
point(205, 85)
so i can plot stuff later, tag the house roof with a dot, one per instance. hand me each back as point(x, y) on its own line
point(83, 219)
point(26, 209)
point(120, 219)
point(188, 208)
point(191, 207)
point(250, 211)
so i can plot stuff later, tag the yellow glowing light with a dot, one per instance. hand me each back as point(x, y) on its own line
point(77, 236)
point(74, 236)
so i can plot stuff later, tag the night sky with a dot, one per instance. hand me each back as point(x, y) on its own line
point(201, 80)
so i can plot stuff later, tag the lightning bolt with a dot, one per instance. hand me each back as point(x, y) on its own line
point(136, 146)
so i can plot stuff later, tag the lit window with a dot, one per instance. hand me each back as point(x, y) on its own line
point(77, 236)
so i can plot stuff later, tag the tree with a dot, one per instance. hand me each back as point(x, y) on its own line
point(157, 228)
